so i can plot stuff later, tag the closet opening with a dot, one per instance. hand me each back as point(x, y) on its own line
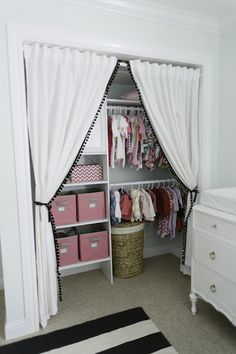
point(120, 154)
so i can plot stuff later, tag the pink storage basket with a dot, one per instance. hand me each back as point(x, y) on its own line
point(86, 173)
point(64, 209)
point(93, 246)
point(91, 206)
point(68, 250)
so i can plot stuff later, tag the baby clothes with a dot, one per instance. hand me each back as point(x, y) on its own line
point(114, 220)
point(147, 206)
point(117, 207)
point(123, 129)
point(136, 212)
point(173, 213)
point(115, 137)
point(131, 140)
point(141, 204)
point(153, 197)
point(126, 207)
point(119, 131)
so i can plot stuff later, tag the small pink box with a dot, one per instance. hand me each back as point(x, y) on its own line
point(64, 209)
point(68, 250)
point(85, 173)
point(91, 206)
point(93, 246)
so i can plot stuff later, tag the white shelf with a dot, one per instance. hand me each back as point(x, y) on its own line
point(81, 264)
point(78, 184)
point(118, 102)
point(82, 223)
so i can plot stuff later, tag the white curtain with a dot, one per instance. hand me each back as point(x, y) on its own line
point(170, 95)
point(64, 90)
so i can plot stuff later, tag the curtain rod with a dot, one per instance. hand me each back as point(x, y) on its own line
point(124, 63)
point(160, 181)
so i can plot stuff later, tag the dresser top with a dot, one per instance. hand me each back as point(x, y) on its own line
point(223, 199)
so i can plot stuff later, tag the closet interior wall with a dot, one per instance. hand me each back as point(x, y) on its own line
point(153, 244)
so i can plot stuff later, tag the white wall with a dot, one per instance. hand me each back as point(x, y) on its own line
point(112, 29)
point(227, 104)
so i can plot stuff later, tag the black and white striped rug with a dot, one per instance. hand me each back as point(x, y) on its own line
point(126, 332)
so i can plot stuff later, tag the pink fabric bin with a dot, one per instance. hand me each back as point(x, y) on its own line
point(93, 246)
point(64, 209)
point(91, 206)
point(68, 250)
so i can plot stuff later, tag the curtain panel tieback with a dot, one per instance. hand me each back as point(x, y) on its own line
point(47, 205)
point(193, 197)
point(40, 204)
point(193, 194)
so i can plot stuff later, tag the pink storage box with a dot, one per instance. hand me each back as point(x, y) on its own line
point(68, 250)
point(85, 173)
point(91, 206)
point(93, 246)
point(64, 209)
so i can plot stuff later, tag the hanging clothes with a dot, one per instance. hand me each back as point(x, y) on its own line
point(126, 206)
point(114, 220)
point(136, 211)
point(164, 205)
point(147, 206)
point(132, 141)
point(117, 206)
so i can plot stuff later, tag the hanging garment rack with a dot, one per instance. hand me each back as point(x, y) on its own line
point(126, 110)
point(169, 182)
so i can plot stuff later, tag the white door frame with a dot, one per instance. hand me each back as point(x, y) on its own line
point(17, 35)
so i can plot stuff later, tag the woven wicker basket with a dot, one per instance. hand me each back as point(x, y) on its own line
point(127, 249)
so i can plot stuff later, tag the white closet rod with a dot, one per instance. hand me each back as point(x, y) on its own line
point(124, 110)
point(140, 183)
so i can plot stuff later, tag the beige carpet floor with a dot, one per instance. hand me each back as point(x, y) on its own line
point(162, 291)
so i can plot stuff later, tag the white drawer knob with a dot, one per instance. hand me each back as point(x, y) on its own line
point(213, 288)
point(214, 226)
point(212, 255)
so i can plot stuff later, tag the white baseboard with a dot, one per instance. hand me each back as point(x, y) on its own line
point(18, 328)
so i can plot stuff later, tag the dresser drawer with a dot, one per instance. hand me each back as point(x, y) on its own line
point(215, 289)
point(215, 253)
point(215, 225)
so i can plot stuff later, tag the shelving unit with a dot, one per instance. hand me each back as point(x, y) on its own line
point(96, 151)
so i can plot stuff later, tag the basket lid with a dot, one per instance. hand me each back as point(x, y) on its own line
point(127, 228)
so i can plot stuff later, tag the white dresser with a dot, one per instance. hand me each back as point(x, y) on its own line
point(213, 273)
